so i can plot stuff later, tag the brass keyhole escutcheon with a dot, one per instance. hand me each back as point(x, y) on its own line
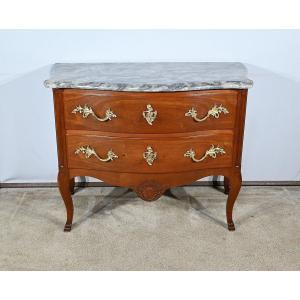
point(150, 114)
point(149, 155)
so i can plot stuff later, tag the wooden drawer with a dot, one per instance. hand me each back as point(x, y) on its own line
point(84, 151)
point(215, 109)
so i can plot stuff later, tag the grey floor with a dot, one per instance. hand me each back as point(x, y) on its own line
point(184, 230)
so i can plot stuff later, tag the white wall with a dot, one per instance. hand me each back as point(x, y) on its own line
point(272, 138)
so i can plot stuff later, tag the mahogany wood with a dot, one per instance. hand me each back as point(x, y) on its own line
point(129, 107)
point(72, 185)
point(64, 180)
point(65, 189)
point(172, 136)
point(170, 152)
point(226, 185)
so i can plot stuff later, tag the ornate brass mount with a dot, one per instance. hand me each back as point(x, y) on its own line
point(211, 152)
point(149, 114)
point(88, 152)
point(86, 111)
point(149, 155)
point(215, 112)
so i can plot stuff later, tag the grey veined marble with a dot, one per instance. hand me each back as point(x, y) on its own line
point(150, 77)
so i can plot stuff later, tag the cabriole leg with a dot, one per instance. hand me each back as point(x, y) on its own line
point(65, 187)
point(72, 185)
point(226, 185)
point(234, 184)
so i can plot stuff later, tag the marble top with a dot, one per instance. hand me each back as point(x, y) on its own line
point(150, 77)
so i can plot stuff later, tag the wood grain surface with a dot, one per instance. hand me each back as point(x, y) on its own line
point(170, 136)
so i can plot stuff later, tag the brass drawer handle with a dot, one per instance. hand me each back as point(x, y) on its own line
point(149, 155)
point(150, 114)
point(88, 151)
point(86, 111)
point(211, 152)
point(215, 112)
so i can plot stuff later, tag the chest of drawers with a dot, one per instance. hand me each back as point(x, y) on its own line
point(149, 127)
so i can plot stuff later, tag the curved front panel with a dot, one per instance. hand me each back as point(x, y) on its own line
point(123, 112)
point(159, 154)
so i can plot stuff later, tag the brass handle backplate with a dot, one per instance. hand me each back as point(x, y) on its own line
point(215, 112)
point(86, 111)
point(88, 152)
point(211, 152)
point(149, 155)
point(150, 114)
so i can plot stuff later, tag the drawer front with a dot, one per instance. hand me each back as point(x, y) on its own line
point(159, 154)
point(149, 112)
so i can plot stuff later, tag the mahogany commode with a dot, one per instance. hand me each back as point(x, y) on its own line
point(149, 126)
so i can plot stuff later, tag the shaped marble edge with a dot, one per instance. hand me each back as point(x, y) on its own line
point(149, 77)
